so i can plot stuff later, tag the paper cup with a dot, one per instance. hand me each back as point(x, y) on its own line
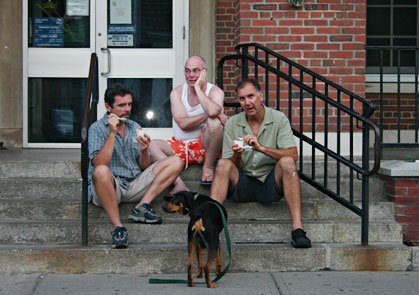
point(139, 131)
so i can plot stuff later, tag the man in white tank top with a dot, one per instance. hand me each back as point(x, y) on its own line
point(197, 108)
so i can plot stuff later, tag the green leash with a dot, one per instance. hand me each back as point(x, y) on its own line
point(220, 275)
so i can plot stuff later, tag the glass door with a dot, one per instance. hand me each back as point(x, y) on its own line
point(140, 43)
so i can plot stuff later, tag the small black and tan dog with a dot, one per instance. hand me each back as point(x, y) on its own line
point(204, 227)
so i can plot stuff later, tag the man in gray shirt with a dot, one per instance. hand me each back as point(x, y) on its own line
point(120, 168)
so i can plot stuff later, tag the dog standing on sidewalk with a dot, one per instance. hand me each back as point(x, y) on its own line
point(204, 227)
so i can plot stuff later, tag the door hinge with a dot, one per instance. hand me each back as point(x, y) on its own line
point(184, 33)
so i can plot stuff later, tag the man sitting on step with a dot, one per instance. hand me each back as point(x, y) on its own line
point(197, 109)
point(120, 167)
point(259, 159)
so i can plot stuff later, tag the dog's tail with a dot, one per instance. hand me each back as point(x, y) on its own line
point(198, 228)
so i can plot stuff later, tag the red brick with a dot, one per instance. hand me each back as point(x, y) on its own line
point(341, 23)
point(411, 237)
point(315, 22)
point(328, 46)
point(249, 14)
point(413, 228)
point(264, 7)
point(301, 31)
point(263, 22)
point(291, 22)
point(341, 54)
point(251, 30)
point(413, 191)
point(413, 210)
point(406, 201)
point(341, 38)
point(406, 182)
point(407, 219)
point(302, 46)
point(353, 31)
point(315, 38)
point(328, 31)
point(278, 31)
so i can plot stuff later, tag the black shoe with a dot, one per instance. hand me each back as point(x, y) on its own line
point(299, 239)
point(120, 238)
point(145, 214)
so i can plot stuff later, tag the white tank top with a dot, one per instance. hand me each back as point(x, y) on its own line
point(181, 135)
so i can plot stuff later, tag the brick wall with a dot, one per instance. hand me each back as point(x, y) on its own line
point(326, 36)
point(391, 111)
point(404, 192)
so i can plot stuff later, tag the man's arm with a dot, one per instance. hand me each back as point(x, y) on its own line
point(271, 152)
point(104, 156)
point(179, 112)
point(214, 102)
point(144, 160)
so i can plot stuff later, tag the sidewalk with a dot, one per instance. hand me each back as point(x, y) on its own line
point(284, 283)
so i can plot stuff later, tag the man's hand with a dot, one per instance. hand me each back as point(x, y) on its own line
point(202, 80)
point(144, 141)
point(113, 121)
point(223, 118)
point(253, 142)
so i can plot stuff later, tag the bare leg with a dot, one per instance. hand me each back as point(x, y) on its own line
point(159, 150)
point(226, 175)
point(105, 189)
point(165, 173)
point(212, 139)
point(286, 177)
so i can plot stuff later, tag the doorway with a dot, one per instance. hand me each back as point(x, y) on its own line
point(141, 43)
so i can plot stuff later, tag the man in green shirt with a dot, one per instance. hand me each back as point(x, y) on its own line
point(263, 166)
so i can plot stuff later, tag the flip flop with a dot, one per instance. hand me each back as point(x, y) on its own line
point(207, 179)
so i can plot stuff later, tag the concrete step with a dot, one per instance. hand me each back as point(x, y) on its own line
point(53, 188)
point(20, 209)
point(174, 231)
point(172, 258)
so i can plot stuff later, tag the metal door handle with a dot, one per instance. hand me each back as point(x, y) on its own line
point(109, 61)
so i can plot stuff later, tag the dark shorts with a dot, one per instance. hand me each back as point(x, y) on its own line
point(250, 189)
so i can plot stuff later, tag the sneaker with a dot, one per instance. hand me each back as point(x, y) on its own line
point(120, 238)
point(144, 214)
point(299, 239)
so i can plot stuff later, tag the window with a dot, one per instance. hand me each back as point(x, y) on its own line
point(392, 23)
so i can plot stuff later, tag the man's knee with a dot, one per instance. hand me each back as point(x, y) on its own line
point(224, 166)
point(101, 173)
point(176, 162)
point(214, 125)
point(287, 165)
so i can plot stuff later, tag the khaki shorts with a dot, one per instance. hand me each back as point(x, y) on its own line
point(136, 191)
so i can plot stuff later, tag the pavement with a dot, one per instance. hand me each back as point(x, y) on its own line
point(284, 283)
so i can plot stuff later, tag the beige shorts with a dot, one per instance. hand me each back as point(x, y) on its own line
point(136, 191)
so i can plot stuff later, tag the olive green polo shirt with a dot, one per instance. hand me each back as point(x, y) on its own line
point(275, 132)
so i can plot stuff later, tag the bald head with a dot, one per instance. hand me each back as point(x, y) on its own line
point(196, 58)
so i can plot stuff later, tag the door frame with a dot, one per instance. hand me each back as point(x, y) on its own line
point(181, 34)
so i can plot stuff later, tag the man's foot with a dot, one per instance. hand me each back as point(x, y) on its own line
point(120, 238)
point(144, 214)
point(299, 239)
point(207, 179)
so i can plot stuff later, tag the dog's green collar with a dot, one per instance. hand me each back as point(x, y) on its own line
point(195, 197)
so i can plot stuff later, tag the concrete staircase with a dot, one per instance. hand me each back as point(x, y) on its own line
point(40, 228)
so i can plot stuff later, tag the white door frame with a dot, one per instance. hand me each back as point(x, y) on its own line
point(35, 58)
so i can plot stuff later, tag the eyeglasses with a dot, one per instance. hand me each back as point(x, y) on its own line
point(195, 71)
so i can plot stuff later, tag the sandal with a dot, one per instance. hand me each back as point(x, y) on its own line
point(207, 179)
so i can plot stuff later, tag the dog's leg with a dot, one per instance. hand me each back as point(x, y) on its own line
point(212, 253)
point(199, 258)
point(218, 260)
point(191, 250)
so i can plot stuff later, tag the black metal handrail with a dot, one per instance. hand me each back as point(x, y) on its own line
point(248, 55)
point(89, 117)
point(394, 66)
